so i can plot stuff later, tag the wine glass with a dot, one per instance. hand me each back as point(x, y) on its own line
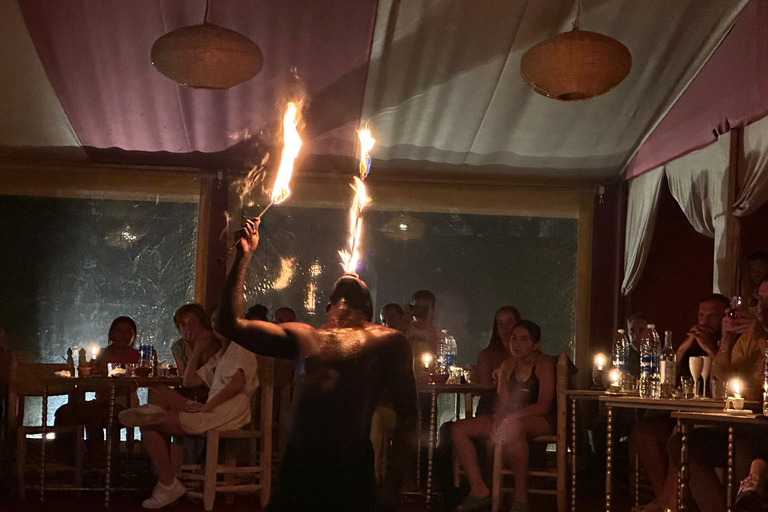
point(706, 368)
point(696, 364)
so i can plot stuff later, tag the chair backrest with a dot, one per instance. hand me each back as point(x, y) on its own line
point(29, 379)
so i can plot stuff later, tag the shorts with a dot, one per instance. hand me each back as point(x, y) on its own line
point(231, 415)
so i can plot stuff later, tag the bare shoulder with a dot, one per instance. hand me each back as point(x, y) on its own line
point(385, 333)
point(545, 363)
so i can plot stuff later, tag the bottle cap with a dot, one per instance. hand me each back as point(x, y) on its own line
point(620, 331)
point(651, 326)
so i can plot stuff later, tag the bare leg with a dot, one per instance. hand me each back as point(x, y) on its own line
point(154, 439)
point(652, 435)
point(516, 434)
point(759, 469)
point(462, 433)
point(166, 398)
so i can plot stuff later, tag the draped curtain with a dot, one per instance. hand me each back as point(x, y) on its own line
point(753, 170)
point(642, 207)
point(698, 182)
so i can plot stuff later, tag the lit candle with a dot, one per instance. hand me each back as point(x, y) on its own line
point(735, 388)
point(599, 361)
point(427, 359)
point(615, 381)
point(94, 352)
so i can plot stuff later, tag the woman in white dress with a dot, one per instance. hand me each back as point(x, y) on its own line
point(231, 377)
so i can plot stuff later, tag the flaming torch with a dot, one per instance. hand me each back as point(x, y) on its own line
point(291, 145)
point(351, 256)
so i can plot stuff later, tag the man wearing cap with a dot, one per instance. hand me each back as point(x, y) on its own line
point(342, 368)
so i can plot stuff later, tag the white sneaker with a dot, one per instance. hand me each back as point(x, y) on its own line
point(163, 495)
point(149, 414)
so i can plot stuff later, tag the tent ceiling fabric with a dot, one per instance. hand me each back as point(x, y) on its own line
point(30, 112)
point(438, 80)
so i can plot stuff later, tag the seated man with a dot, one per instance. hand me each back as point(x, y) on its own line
point(653, 432)
point(748, 358)
point(231, 378)
point(342, 368)
point(193, 324)
point(740, 355)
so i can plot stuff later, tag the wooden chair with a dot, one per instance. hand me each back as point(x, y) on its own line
point(558, 473)
point(28, 380)
point(254, 477)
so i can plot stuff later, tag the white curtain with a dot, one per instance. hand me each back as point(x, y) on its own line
point(642, 206)
point(753, 170)
point(698, 182)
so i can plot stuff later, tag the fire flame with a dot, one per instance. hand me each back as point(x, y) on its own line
point(351, 255)
point(366, 143)
point(291, 146)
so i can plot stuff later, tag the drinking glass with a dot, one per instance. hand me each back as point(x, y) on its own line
point(696, 364)
point(718, 389)
point(686, 385)
point(706, 369)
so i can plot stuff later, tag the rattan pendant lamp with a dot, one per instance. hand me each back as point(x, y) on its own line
point(576, 65)
point(206, 56)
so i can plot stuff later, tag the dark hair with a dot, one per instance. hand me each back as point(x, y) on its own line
point(395, 307)
point(424, 294)
point(123, 319)
point(496, 342)
point(285, 308)
point(355, 291)
point(717, 298)
point(257, 312)
point(758, 255)
point(199, 312)
point(534, 331)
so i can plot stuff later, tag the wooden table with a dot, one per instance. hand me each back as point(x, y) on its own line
point(89, 384)
point(721, 418)
point(432, 389)
point(610, 401)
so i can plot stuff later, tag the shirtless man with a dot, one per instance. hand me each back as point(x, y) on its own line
point(341, 369)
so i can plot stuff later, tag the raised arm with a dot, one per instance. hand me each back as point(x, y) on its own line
point(401, 383)
point(262, 338)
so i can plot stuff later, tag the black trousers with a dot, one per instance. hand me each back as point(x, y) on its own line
point(340, 480)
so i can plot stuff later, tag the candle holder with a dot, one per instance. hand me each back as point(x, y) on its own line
point(734, 403)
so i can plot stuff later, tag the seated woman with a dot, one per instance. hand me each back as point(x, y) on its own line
point(93, 413)
point(192, 323)
point(523, 410)
point(231, 378)
point(492, 356)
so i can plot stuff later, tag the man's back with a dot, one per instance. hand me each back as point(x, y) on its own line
point(339, 384)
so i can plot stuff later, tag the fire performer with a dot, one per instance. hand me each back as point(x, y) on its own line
point(342, 369)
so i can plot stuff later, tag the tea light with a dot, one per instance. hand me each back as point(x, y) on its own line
point(735, 388)
point(615, 381)
point(734, 401)
point(427, 360)
point(94, 352)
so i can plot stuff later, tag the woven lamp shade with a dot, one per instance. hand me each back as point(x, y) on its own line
point(576, 65)
point(206, 57)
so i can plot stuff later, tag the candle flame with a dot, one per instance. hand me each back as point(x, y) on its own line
point(366, 143)
point(94, 350)
point(599, 361)
point(426, 358)
point(735, 387)
point(351, 256)
point(291, 146)
point(614, 376)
